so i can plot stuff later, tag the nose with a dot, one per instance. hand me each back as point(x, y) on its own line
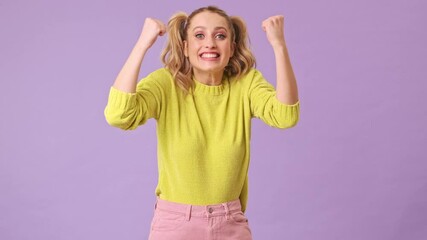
point(210, 42)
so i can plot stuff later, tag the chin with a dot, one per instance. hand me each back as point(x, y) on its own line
point(210, 69)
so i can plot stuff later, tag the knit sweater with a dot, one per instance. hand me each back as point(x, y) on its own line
point(203, 146)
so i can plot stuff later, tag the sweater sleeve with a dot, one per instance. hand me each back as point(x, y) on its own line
point(129, 110)
point(265, 105)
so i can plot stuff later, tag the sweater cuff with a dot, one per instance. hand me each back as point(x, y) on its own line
point(289, 105)
point(121, 100)
point(290, 111)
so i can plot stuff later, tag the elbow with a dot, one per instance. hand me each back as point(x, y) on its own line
point(291, 117)
point(288, 122)
point(119, 124)
point(286, 116)
point(293, 123)
point(116, 120)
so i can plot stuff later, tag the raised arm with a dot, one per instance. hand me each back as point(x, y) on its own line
point(131, 104)
point(286, 84)
point(128, 76)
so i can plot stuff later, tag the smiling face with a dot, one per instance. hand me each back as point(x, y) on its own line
point(209, 45)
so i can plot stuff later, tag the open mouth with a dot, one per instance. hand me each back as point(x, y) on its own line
point(209, 55)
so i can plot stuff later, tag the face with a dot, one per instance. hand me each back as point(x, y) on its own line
point(209, 45)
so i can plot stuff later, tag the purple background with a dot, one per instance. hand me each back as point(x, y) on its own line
point(353, 168)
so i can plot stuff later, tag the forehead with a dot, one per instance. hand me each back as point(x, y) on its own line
point(208, 20)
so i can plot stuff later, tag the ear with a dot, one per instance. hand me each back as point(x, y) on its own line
point(185, 48)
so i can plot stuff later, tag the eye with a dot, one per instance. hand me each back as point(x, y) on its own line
point(220, 36)
point(199, 35)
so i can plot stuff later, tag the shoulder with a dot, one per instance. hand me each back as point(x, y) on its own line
point(161, 75)
point(161, 78)
point(250, 75)
point(247, 79)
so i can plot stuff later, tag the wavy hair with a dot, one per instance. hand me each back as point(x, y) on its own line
point(173, 54)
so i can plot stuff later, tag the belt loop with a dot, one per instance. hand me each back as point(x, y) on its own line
point(227, 212)
point(207, 213)
point(155, 204)
point(188, 213)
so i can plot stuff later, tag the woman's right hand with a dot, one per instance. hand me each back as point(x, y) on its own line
point(151, 30)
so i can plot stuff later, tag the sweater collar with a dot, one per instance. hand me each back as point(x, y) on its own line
point(211, 90)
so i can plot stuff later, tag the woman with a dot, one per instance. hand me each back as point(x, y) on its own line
point(203, 102)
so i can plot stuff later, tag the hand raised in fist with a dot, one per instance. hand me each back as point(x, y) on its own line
point(151, 30)
point(274, 28)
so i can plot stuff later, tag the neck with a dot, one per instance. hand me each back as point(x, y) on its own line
point(208, 78)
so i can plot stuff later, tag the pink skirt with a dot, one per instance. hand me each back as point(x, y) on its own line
point(176, 221)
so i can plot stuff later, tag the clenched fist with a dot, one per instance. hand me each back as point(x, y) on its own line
point(274, 28)
point(150, 31)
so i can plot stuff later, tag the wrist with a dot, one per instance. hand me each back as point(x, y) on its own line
point(280, 48)
point(141, 47)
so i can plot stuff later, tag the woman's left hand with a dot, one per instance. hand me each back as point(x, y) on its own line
point(274, 27)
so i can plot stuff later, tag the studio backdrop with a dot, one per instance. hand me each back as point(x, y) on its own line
point(353, 168)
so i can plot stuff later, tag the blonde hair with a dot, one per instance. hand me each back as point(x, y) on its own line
point(173, 54)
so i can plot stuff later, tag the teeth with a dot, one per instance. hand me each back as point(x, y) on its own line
point(210, 55)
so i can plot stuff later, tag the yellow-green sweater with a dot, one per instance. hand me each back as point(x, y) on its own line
point(203, 139)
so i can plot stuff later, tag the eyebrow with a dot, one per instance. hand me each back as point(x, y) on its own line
point(216, 28)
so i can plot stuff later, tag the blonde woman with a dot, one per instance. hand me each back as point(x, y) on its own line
point(203, 101)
